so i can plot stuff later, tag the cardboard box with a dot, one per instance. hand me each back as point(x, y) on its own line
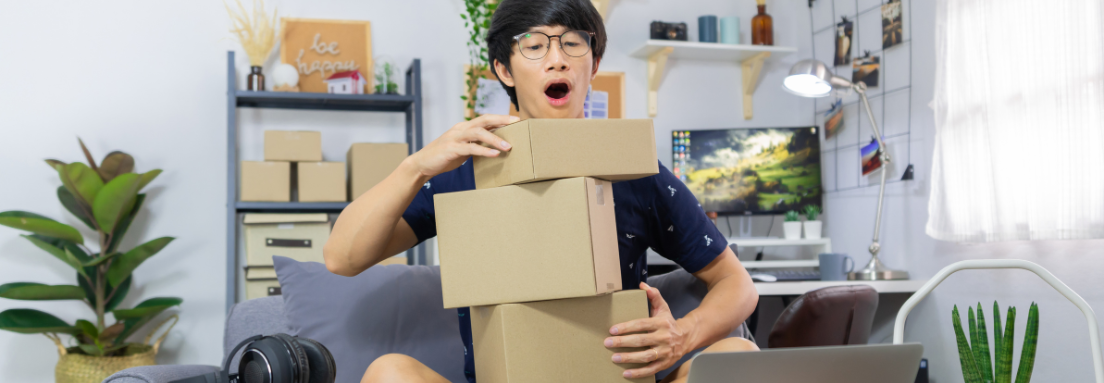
point(554, 341)
point(282, 145)
point(321, 181)
point(531, 242)
point(296, 236)
point(265, 181)
point(545, 149)
point(371, 163)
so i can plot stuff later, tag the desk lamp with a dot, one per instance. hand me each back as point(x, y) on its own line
point(812, 78)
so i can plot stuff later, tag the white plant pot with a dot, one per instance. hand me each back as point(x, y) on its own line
point(792, 230)
point(812, 229)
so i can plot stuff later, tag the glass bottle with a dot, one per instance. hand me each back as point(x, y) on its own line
point(255, 81)
point(762, 28)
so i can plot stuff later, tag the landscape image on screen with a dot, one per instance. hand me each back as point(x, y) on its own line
point(754, 170)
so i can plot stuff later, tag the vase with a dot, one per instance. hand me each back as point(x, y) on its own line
point(255, 81)
point(762, 26)
point(812, 229)
point(791, 230)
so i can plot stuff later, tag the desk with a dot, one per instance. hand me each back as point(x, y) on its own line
point(798, 288)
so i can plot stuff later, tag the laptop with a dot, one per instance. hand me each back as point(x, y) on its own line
point(878, 363)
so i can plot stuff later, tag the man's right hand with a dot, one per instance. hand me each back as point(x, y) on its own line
point(464, 140)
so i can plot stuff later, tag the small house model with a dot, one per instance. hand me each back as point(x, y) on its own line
point(347, 82)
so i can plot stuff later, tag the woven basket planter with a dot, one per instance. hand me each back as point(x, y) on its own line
point(73, 367)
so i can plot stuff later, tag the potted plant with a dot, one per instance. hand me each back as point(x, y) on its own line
point(812, 226)
point(791, 228)
point(105, 197)
point(974, 355)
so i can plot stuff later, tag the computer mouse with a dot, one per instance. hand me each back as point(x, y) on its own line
point(763, 278)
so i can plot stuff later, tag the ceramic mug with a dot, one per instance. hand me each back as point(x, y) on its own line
point(833, 266)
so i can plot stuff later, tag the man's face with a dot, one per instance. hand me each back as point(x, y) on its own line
point(553, 86)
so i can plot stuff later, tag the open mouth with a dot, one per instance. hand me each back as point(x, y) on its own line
point(557, 92)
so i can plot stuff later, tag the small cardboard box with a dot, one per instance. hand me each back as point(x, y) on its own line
point(530, 242)
point(544, 149)
point(554, 341)
point(296, 236)
point(371, 163)
point(282, 145)
point(266, 181)
point(321, 181)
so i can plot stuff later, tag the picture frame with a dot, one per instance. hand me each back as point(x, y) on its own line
point(844, 41)
point(318, 48)
point(892, 27)
point(611, 82)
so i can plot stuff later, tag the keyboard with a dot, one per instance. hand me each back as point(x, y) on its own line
point(784, 275)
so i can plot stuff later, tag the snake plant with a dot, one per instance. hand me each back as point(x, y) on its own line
point(106, 198)
point(974, 354)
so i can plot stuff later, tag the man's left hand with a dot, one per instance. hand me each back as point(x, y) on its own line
point(660, 333)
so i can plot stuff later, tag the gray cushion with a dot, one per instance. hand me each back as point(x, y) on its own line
point(385, 309)
point(261, 316)
point(158, 374)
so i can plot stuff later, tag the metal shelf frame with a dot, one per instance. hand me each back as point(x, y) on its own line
point(409, 104)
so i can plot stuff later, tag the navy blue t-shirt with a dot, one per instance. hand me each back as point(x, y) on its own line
point(656, 212)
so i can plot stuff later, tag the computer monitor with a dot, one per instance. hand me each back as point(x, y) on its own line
point(749, 170)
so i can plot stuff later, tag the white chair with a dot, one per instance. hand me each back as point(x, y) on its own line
point(1090, 317)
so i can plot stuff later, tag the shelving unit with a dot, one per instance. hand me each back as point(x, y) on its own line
point(750, 57)
point(409, 104)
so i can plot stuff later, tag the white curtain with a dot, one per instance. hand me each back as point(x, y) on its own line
point(1019, 118)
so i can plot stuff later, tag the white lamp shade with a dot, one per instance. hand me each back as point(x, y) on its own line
point(812, 78)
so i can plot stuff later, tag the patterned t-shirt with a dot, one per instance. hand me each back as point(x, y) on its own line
point(656, 212)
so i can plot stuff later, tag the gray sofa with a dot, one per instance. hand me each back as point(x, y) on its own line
point(267, 316)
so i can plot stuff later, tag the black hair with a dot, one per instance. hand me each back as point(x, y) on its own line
point(514, 17)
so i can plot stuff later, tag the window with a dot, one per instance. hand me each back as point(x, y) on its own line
point(1019, 118)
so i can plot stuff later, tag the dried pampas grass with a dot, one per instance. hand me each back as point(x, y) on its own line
point(255, 32)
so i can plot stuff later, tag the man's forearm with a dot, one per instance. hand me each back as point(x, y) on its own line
point(363, 233)
point(730, 300)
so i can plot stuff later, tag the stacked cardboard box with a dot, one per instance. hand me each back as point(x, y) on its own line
point(534, 250)
point(292, 158)
point(296, 236)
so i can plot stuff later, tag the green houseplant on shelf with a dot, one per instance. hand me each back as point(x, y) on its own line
point(812, 226)
point(974, 354)
point(105, 197)
point(791, 228)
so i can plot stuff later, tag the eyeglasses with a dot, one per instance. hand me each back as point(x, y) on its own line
point(534, 45)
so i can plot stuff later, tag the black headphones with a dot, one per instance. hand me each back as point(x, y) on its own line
point(279, 358)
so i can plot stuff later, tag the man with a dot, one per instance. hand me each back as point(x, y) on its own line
point(545, 53)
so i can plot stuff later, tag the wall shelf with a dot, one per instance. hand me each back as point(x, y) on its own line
point(750, 58)
point(290, 207)
point(324, 101)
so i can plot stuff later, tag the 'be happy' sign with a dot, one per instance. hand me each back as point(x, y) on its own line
point(320, 48)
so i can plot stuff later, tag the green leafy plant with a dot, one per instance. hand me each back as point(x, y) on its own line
point(477, 19)
point(974, 355)
point(791, 216)
point(385, 79)
point(811, 212)
point(105, 197)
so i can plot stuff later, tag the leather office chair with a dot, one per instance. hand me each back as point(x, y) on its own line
point(832, 316)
